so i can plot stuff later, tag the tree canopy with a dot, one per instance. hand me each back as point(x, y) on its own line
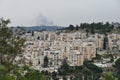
point(117, 64)
point(11, 46)
point(92, 67)
point(109, 76)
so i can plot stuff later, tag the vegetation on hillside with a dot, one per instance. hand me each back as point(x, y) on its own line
point(93, 28)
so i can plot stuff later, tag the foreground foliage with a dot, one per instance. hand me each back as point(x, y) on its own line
point(109, 76)
point(11, 48)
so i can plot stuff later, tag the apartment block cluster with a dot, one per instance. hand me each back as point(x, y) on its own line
point(74, 47)
point(114, 41)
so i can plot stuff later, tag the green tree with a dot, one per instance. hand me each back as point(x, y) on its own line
point(71, 27)
point(117, 64)
point(87, 31)
point(111, 58)
point(77, 27)
point(64, 78)
point(98, 57)
point(92, 31)
point(11, 47)
point(7, 77)
point(80, 77)
point(92, 67)
point(34, 75)
point(109, 76)
point(64, 69)
point(105, 43)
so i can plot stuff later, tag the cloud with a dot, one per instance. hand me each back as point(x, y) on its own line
point(43, 20)
point(1, 1)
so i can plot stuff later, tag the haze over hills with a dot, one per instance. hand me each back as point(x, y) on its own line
point(40, 28)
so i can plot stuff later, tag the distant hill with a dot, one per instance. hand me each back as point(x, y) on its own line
point(39, 28)
point(42, 28)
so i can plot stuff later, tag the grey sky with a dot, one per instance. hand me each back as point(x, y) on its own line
point(59, 12)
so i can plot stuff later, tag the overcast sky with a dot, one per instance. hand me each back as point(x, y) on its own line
point(59, 12)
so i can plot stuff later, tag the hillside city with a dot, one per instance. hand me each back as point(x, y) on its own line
point(59, 39)
point(48, 51)
point(85, 52)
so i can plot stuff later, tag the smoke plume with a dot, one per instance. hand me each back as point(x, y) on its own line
point(43, 20)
